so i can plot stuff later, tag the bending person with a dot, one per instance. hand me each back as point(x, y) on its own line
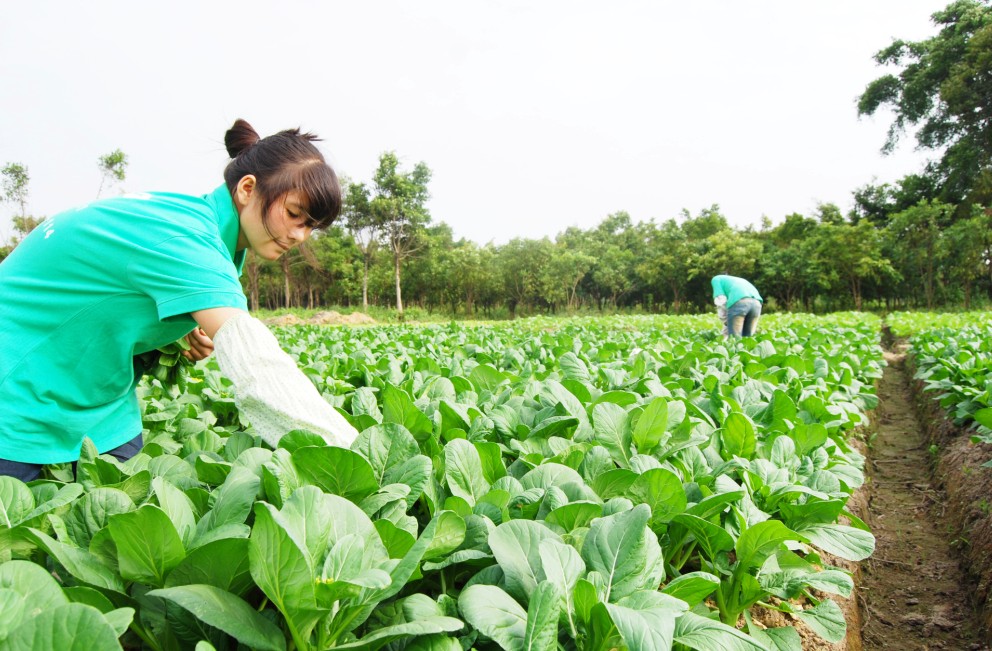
point(92, 288)
point(738, 304)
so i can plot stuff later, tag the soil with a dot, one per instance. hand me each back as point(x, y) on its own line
point(915, 592)
point(330, 317)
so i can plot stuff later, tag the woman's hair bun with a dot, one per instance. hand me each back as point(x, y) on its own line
point(240, 137)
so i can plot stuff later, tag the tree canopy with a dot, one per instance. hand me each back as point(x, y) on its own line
point(944, 90)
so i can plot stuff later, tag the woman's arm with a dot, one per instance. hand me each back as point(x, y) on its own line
point(268, 386)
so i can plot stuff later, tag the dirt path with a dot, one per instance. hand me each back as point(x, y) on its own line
point(913, 592)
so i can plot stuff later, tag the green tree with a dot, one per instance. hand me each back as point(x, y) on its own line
point(877, 203)
point(788, 264)
point(851, 255)
point(967, 245)
point(15, 180)
point(364, 228)
point(916, 251)
point(399, 207)
point(113, 168)
point(615, 244)
point(570, 266)
point(665, 265)
point(943, 88)
point(524, 269)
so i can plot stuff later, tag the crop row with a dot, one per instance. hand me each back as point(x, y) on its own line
point(955, 364)
point(595, 485)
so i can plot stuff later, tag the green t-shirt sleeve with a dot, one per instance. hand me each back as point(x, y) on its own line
point(186, 273)
point(718, 290)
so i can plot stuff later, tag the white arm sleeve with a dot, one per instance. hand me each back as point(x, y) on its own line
point(269, 387)
point(721, 301)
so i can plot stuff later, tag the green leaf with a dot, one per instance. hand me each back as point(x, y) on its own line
point(148, 545)
point(486, 377)
point(13, 605)
point(547, 475)
point(281, 568)
point(706, 634)
point(232, 504)
point(541, 633)
point(572, 516)
point(38, 588)
point(662, 491)
point(176, 506)
point(711, 538)
point(625, 552)
point(434, 643)
point(66, 495)
point(71, 627)
point(984, 417)
point(808, 437)
point(80, 563)
point(826, 620)
point(492, 460)
point(612, 431)
point(651, 426)
point(840, 540)
point(381, 637)
point(693, 587)
point(398, 407)
point(221, 563)
point(516, 546)
point(227, 612)
point(16, 501)
point(448, 535)
point(337, 470)
point(494, 614)
point(463, 471)
point(562, 566)
point(386, 447)
point(646, 620)
point(760, 541)
point(91, 513)
point(574, 368)
point(737, 436)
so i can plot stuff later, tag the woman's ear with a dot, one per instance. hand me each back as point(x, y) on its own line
point(245, 190)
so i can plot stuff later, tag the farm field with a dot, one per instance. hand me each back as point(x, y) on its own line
point(613, 483)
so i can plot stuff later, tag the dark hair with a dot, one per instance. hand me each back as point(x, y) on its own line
point(282, 162)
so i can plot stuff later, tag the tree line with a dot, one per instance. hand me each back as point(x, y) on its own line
point(922, 242)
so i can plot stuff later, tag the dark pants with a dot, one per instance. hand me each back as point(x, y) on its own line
point(30, 471)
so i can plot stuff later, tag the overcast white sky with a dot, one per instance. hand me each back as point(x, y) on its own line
point(533, 115)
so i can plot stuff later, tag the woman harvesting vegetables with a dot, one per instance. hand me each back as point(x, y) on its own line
point(92, 288)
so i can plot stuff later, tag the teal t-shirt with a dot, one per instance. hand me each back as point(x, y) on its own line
point(734, 289)
point(88, 290)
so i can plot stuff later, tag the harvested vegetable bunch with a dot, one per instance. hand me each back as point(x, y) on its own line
point(166, 364)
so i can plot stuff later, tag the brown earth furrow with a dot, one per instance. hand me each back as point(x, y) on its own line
point(913, 593)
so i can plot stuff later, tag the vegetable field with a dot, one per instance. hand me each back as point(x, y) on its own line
point(623, 483)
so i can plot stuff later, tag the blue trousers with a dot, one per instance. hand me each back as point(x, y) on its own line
point(30, 471)
point(742, 317)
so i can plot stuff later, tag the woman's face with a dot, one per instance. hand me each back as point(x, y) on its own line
point(284, 228)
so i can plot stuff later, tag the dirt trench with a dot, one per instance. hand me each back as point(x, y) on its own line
point(913, 591)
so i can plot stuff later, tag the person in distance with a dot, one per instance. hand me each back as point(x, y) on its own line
point(738, 305)
point(93, 288)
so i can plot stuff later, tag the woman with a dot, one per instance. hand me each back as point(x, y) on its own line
point(91, 288)
point(738, 305)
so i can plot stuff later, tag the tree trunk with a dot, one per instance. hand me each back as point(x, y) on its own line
point(285, 273)
point(365, 284)
point(253, 280)
point(399, 295)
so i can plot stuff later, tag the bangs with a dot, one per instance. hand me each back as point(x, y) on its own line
point(318, 184)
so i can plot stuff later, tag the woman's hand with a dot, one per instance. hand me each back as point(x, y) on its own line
point(200, 345)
